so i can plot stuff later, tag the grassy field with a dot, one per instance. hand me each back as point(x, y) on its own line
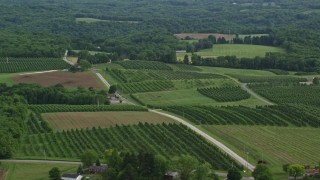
point(188, 97)
point(276, 145)
point(76, 120)
point(6, 78)
point(220, 70)
point(239, 50)
point(91, 52)
point(35, 171)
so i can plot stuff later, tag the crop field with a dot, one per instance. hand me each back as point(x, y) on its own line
point(268, 79)
point(145, 86)
point(225, 94)
point(36, 171)
point(188, 97)
point(240, 115)
point(46, 108)
point(309, 95)
point(184, 67)
point(277, 145)
point(164, 139)
point(144, 75)
point(151, 65)
point(239, 50)
point(67, 79)
point(77, 120)
point(13, 65)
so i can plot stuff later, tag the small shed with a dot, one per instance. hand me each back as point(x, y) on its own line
point(71, 177)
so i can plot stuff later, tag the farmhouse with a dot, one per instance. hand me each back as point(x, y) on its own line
point(71, 177)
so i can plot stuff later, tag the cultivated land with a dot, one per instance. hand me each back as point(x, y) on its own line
point(277, 145)
point(78, 120)
point(188, 97)
point(67, 79)
point(239, 50)
point(35, 171)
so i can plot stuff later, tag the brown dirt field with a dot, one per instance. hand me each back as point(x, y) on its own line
point(204, 35)
point(77, 120)
point(73, 59)
point(67, 79)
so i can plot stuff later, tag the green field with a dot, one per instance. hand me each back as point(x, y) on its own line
point(6, 78)
point(188, 97)
point(277, 145)
point(35, 171)
point(220, 70)
point(239, 50)
point(93, 20)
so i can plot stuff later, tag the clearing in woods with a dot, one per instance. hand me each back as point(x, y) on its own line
point(77, 120)
point(67, 79)
point(205, 35)
point(239, 50)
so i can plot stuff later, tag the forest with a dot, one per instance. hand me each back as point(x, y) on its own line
point(144, 29)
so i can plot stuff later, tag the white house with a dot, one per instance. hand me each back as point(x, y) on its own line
point(71, 177)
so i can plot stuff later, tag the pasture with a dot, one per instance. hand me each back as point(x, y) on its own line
point(36, 171)
point(221, 70)
point(239, 50)
point(67, 79)
point(77, 120)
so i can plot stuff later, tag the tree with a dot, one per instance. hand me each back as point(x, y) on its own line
point(88, 158)
point(80, 169)
point(84, 65)
point(186, 59)
point(234, 174)
point(185, 164)
point(262, 172)
point(296, 170)
point(112, 89)
point(204, 171)
point(98, 162)
point(316, 81)
point(285, 167)
point(160, 166)
point(54, 174)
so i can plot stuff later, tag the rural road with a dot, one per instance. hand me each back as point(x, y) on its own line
point(65, 58)
point(40, 161)
point(209, 138)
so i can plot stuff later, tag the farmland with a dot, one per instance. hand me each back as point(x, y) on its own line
point(239, 50)
point(277, 145)
point(204, 35)
point(78, 120)
point(67, 79)
point(268, 79)
point(165, 139)
point(12, 65)
point(241, 115)
point(225, 94)
point(187, 97)
point(32, 171)
point(302, 94)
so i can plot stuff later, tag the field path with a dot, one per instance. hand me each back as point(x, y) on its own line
point(209, 138)
point(245, 87)
point(66, 60)
point(40, 161)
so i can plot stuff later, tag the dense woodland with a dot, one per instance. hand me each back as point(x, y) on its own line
point(144, 29)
